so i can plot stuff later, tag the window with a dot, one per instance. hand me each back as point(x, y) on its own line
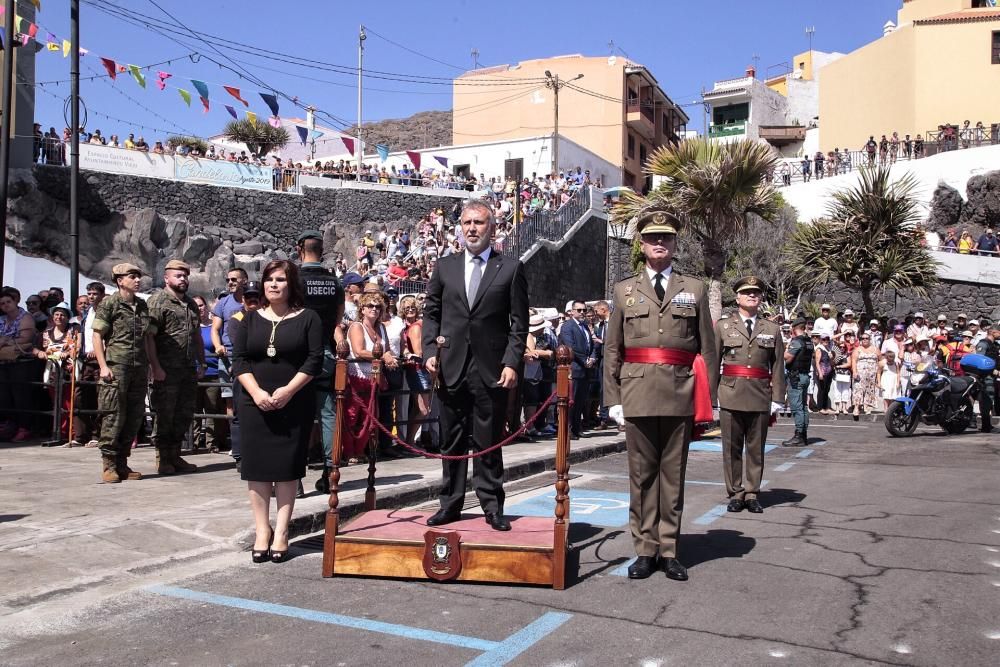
point(996, 47)
point(642, 153)
point(631, 146)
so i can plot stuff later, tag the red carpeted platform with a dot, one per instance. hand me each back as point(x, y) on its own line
point(403, 526)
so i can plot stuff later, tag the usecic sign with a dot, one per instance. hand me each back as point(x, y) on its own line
point(215, 172)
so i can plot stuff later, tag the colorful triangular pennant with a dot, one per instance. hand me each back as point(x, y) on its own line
point(111, 66)
point(235, 92)
point(185, 95)
point(232, 112)
point(137, 75)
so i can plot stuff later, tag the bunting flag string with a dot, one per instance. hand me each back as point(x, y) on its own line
point(232, 112)
point(185, 95)
point(111, 66)
point(161, 79)
point(303, 134)
point(201, 88)
point(348, 144)
point(252, 117)
point(414, 158)
point(442, 160)
point(383, 152)
point(235, 92)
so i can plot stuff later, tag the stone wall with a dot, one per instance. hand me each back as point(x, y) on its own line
point(574, 271)
point(149, 221)
point(950, 298)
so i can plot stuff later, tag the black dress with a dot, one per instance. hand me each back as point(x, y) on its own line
point(275, 443)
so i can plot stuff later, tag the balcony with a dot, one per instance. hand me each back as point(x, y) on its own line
point(782, 135)
point(727, 130)
point(640, 118)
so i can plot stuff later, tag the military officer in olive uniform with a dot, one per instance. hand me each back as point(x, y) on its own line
point(176, 360)
point(659, 324)
point(751, 388)
point(120, 324)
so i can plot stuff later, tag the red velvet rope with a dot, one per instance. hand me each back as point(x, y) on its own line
point(370, 418)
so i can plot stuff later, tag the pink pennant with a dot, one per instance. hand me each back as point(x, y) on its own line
point(274, 121)
point(32, 30)
point(204, 102)
point(161, 77)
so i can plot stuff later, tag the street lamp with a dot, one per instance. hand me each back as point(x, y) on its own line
point(555, 83)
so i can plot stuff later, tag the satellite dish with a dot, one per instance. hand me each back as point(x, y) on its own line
point(611, 61)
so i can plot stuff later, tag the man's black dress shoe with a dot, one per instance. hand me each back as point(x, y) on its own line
point(497, 521)
point(753, 505)
point(735, 505)
point(674, 570)
point(442, 517)
point(643, 567)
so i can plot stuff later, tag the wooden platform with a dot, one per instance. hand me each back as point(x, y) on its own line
point(390, 543)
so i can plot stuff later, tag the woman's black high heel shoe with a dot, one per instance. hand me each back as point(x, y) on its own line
point(264, 555)
point(278, 556)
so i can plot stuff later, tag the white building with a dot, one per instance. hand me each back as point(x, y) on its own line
point(496, 159)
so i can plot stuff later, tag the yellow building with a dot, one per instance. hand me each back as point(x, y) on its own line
point(616, 109)
point(939, 64)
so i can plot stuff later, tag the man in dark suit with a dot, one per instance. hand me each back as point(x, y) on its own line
point(475, 332)
point(575, 335)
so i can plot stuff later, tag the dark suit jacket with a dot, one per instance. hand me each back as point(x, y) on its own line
point(577, 339)
point(493, 329)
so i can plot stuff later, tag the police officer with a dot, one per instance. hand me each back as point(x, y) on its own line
point(659, 324)
point(177, 361)
point(751, 388)
point(120, 324)
point(323, 294)
point(988, 347)
point(798, 360)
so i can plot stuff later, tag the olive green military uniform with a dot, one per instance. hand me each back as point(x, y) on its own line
point(176, 331)
point(122, 326)
point(745, 402)
point(657, 398)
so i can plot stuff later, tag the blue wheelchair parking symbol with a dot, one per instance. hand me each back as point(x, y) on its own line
point(599, 508)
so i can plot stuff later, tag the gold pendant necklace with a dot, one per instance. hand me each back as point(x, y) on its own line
point(271, 350)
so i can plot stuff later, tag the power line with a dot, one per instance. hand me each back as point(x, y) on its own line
point(416, 53)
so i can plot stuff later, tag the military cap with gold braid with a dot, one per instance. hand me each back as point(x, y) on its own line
point(748, 284)
point(657, 222)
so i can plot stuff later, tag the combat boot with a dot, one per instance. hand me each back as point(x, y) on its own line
point(164, 462)
point(124, 472)
point(323, 483)
point(109, 474)
point(179, 464)
point(796, 440)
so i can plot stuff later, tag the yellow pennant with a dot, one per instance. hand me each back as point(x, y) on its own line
point(66, 48)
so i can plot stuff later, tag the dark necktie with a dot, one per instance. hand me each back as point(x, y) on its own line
point(750, 328)
point(475, 278)
point(658, 287)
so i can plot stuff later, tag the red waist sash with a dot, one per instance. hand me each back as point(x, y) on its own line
point(659, 355)
point(732, 370)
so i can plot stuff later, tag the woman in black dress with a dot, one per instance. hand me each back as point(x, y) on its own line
point(276, 353)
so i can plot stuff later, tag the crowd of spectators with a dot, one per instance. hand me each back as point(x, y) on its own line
point(963, 242)
point(862, 364)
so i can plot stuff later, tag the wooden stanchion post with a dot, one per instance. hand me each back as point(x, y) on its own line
point(373, 436)
point(564, 357)
point(333, 514)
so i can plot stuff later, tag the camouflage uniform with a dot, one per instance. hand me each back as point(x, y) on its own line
point(176, 331)
point(122, 326)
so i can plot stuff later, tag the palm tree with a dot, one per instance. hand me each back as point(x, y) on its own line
point(712, 187)
point(868, 241)
point(260, 138)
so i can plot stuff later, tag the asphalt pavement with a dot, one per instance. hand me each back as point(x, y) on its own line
point(870, 550)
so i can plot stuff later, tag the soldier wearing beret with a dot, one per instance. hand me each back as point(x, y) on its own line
point(751, 388)
point(120, 325)
point(177, 360)
point(659, 324)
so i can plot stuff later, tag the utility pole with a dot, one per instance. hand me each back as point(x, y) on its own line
point(475, 58)
point(553, 82)
point(8, 85)
point(361, 53)
point(74, 152)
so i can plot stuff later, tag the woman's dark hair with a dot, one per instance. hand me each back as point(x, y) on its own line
point(296, 298)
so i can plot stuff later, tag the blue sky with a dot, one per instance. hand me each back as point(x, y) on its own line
point(687, 44)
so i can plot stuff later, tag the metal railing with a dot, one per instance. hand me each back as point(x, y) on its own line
point(546, 225)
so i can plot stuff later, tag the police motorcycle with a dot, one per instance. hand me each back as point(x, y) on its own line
point(938, 396)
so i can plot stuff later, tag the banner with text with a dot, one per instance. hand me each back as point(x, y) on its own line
point(121, 161)
point(215, 172)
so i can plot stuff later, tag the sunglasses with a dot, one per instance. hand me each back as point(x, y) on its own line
point(579, 310)
point(232, 280)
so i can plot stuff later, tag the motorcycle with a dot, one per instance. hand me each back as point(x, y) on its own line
point(940, 397)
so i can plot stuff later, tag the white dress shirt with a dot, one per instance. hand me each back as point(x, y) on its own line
point(469, 264)
point(665, 273)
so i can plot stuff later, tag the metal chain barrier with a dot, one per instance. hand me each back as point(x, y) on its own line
point(370, 419)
